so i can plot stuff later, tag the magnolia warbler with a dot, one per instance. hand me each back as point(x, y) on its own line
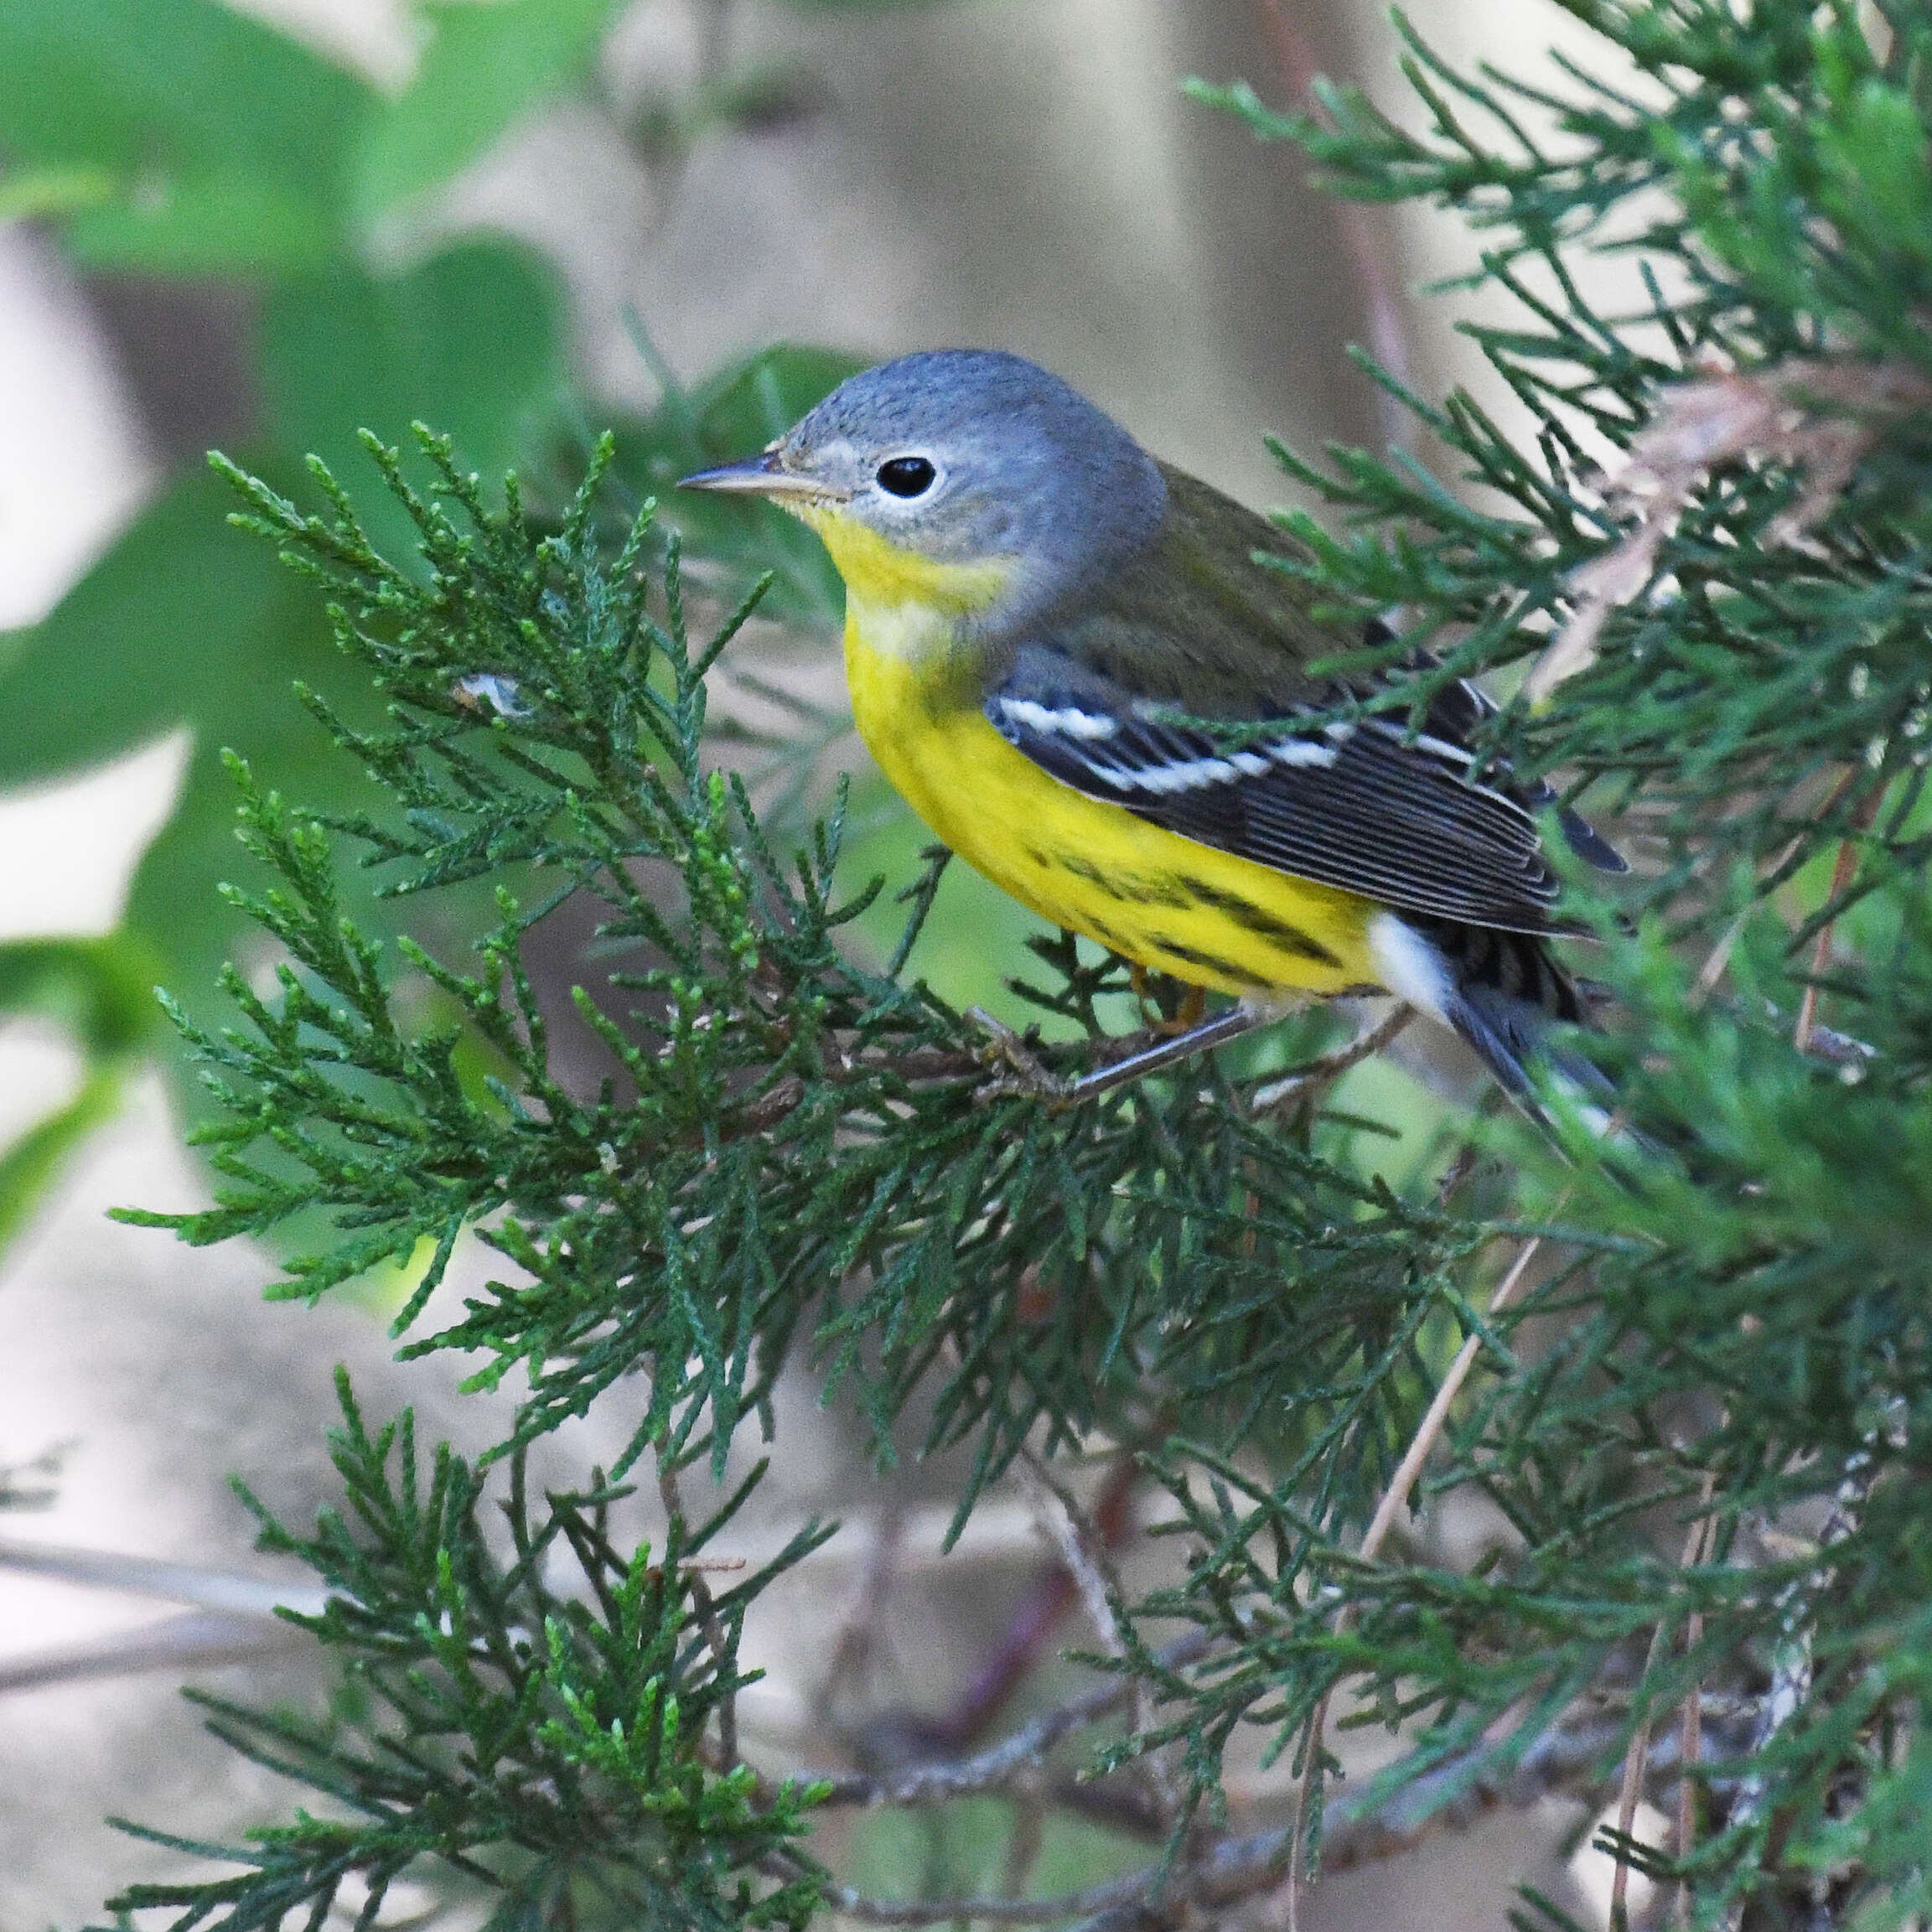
point(1045, 625)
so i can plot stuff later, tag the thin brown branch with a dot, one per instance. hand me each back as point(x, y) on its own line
point(1360, 1828)
point(995, 1769)
point(1630, 1790)
point(1690, 1731)
point(1637, 1756)
point(714, 1635)
point(1697, 1544)
point(1368, 236)
point(1431, 1426)
point(1330, 1068)
point(1427, 1431)
point(1805, 1033)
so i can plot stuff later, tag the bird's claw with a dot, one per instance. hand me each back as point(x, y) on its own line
point(1017, 1072)
point(1154, 1019)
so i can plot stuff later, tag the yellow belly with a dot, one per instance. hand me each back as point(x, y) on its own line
point(1159, 899)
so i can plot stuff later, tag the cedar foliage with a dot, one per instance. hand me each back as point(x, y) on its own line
point(1704, 1418)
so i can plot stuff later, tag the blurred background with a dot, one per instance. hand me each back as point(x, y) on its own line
point(263, 227)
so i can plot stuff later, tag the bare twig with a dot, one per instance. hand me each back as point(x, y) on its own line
point(1689, 1749)
point(1431, 1426)
point(200, 1584)
point(991, 1911)
point(995, 1769)
point(1236, 1869)
point(1084, 1549)
point(1386, 1510)
point(1563, 1760)
point(1065, 1525)
point(1792, 1661)
point(714, 1635)
point(1054, 1594)
point(190, 1640)
point(858, 1630)
point(1637, 1756)
point(1805, 1033)
point(1318, 1073)
point(1719, 955)
point(1361, 1828)
point(1791, 1658)
point(1023, 1844)
point(234, 1615)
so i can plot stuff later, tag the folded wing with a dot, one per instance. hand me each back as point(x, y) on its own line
point(1366, 805)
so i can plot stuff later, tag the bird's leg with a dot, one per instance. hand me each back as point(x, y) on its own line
point(1017, 1072)
point(1236, 1021)
point(1193, 1005)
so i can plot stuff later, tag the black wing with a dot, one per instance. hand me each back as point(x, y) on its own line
point(1363, 806)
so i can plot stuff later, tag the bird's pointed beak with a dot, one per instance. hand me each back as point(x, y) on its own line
point(765, 475)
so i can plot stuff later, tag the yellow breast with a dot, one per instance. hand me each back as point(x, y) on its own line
point(1152, 896)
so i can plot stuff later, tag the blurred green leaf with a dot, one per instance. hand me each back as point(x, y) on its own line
point(229, 144)
point(744, 406)
point(36, 194)
point(173, 626)
point(182, 622)
point(471, 339)
point(485, 65)
point(31, 1165)
point(100, 990)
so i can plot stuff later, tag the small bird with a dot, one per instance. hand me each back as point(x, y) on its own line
point(1045, 625)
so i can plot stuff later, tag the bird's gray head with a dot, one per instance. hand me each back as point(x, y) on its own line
point(963, 458)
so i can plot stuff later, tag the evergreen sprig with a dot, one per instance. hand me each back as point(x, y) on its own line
point(546, 1745)
point(1698, 1416)
point(795, 1133)
point(1755, 170)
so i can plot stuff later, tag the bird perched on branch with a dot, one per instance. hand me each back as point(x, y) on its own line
point(1077, 665)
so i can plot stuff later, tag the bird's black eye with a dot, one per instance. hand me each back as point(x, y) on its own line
point(907, 476)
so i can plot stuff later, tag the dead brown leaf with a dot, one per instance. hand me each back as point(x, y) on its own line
point(1815, 414)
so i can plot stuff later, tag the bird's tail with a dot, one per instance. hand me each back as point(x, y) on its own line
point(1498, 992)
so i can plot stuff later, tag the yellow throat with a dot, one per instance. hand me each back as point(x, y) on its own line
point(1163, 901)
point(878, 572)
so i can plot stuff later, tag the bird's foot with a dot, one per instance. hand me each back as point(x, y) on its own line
point(1017, 1072)
point(1193, 1010)
point(1154, 1019)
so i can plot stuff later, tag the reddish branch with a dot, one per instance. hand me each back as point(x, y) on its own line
point(1367, 239)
